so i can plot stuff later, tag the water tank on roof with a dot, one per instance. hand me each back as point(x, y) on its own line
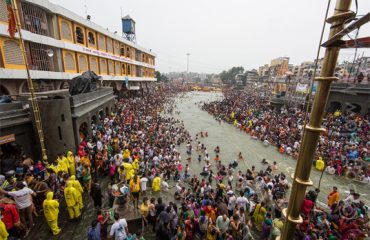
point(128, 25)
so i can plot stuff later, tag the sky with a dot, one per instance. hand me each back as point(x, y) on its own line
point(220, 34)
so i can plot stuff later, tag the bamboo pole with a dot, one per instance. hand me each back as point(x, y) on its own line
point(35, 106)
point(312, 131)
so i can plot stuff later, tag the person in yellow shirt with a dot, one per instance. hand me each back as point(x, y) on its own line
point(320, 165)
point(62, 165)
point(77, 185)
point(71, 197)
point(51, 211)
point(55, 166)
point(129, 171)
point(71, 161)
point(135, 190)
point(156, 185)
point(135, 165)
point(259, 215)
point(144, 211)
point(126, 154)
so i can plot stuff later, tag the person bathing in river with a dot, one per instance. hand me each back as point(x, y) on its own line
point(240, 156)
point(217, 158)
point(217, 149)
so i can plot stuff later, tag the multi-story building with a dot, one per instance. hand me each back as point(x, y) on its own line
point(61, 45)
point(279, 66)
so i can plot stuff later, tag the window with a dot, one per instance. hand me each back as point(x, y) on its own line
point(122, 51)
point(91, 38)
point(12, 53)
point(116, 47)
point(66, 30)
point(62, 117)
point(79, 35)
point(60, 133)
point(3, 12)
point(35, 19)
point(117, 67)
point(128, 52)
point(39, 58)
point(101, 42)
point(69, 61)
point(123, 69)
point(128, 70)
point(109, 45)
point(82, 63)
point(94, 64)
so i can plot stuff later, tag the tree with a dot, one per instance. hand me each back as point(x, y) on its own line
point(229, 75)
point(160, 77)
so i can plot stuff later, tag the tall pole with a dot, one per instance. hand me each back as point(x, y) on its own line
point(35, 106)
point(312, 131)
point(187, 63)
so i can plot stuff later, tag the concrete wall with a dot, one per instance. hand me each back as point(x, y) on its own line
point(16, 120)
point(85, 107)
point(349, 97)
point(57, 126)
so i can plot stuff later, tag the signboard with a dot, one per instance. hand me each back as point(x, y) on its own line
point(7, 139)
point(314, 88)
point(301, 88)
point(126, 81)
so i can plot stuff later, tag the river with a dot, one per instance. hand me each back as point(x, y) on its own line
point(232, 141)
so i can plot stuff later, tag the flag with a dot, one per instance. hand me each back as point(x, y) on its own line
point(11, 19)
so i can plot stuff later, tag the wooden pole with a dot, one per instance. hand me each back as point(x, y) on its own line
point(312, 131)
point(35, 106)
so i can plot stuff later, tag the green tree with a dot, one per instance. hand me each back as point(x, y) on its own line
point(229, 75)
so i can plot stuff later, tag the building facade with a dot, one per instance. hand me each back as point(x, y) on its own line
point(61, 45)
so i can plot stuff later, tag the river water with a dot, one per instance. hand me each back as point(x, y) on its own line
point(232, 141)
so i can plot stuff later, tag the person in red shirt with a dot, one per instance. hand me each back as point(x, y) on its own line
point(10, 216)
point(307, 205)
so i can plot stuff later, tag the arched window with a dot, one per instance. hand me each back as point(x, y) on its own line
point(128, 70)
point(117, 67)
point(110, 67)
point(94, 65)
point(69, 61)
point(82, 63)
point(122, 51)
point(101, 42)
point(123, 69)
point(91, 38)
point(66, 30)
point(128, 52)
point(80, 35)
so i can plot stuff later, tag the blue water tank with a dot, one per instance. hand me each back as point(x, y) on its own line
point(128, 25)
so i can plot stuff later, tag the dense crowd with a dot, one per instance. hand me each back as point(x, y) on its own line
point(138, 150)
point(344, 148)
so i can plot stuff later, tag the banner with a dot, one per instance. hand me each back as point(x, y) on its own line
point(301, 88)
point(7, 139)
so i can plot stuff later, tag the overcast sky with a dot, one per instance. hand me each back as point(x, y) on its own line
point(219, 34)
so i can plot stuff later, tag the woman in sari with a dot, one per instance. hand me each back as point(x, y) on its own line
point(259, 215)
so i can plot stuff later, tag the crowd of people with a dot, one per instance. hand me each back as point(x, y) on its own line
point(344, 148)
point(138, 150)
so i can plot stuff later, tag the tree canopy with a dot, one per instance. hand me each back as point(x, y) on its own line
point(229, 75)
